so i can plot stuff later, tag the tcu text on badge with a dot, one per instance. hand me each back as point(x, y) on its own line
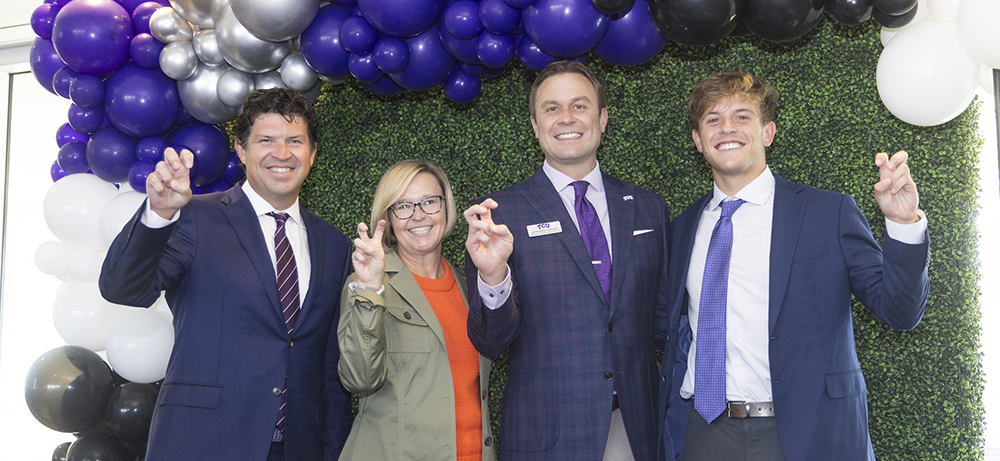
point(545, 228)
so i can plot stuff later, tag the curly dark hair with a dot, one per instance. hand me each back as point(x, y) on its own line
point(282, 101)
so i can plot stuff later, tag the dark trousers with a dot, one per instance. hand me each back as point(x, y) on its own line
point(731, 439)
point(277, 452)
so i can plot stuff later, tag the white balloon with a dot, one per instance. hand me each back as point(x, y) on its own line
point(944, 10)
point(275, 21)
point(84, 265)
point(986, 80)
point(161, 307)
point(83, 318)
point(297, 74)
point(73, 206)
point(139, 346)
point(167, 26)
point(178, 60)
point(51, 257)
point(923, 77)
point(200, 96)
point(245, 51)
point(206, 47)
point(978, 25)
point(116, 214)
point(234, 87)
point(268, 80)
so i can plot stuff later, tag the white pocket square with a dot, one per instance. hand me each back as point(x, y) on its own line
point(642, 231)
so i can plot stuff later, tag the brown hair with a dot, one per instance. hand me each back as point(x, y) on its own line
point(564, 67)
point(282, 101)
point(391, 187)
point(719, 86)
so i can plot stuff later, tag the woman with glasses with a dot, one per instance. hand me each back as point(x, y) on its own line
point(403, 342)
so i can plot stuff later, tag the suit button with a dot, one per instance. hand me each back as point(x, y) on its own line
point(668, 337)
point(663, 378)
point(291, 343)
point(489, 441)
point(611, 327)
point(484, 395)
point(407, 315)
point(608, 375)
point(276, 391)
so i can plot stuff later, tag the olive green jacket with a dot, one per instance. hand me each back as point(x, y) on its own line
point(393, 354)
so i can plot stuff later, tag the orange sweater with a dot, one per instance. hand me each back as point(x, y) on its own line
point(446, 300)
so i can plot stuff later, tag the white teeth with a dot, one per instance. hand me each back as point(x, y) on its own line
point(730, 145)
point(569, 136)
point(420, 230)
point(280, 169)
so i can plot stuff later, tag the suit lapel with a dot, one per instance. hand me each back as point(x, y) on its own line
point(540, 194)
point(786, 223)
point(401, 280)
point(246, 226)
point(621, 214)
point(685, 228)
point(317, 263)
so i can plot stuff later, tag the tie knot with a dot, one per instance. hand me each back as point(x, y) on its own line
point(581, 188)
point(279, 218)
point(729, 207)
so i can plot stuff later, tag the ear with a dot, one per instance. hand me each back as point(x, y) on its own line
point(769, 130)
point(534, 125)
point(697, 140)
point(604, 119)
point(239, 152)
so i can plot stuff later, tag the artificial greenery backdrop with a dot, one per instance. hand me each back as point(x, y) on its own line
point(925, 386)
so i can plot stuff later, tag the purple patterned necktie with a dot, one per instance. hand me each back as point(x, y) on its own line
point(593, 237)
point(710, 359)
point(288, 293)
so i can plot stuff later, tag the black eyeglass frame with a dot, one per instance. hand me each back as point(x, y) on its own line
point(392, 208)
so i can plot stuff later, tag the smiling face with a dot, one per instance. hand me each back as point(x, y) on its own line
point(732, 138)
point(420, 235)
point(277, 155)
point(568, 123)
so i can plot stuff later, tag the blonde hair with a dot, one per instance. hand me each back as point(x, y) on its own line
point(391, 187)
point(719, 86)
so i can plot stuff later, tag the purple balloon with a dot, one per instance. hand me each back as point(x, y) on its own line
point(141, 102)
point(131, 5)
point(473, 69)
point(632, 39)
point(210, 146)
point(137, 174)
point(234, 169)
point(498, 17)
point(72, 157)
point(462, 50)
point(532, 57)
point(217, 186)
point(462, 87)
point(141, 15)
point(65, 133)
point(391, 55)
point(357, 36)
point(85, 120)
point(461, 19)
point(348, 3)
point(321, 44)
point(494, 50)
point(363, 68)
point(110, 154)
point(61, 80)
point(401, 18)
point(42, 19)
point(87, 91)
point(383, 86)
point(430, 64)
point(56, 172)
point(150, 148)
point(145, 51)
point(93, 36)
point(184, 118)
point(519, 4)
point(44, 62)
point(565, 28)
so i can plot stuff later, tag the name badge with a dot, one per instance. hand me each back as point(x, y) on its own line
point(545, 228)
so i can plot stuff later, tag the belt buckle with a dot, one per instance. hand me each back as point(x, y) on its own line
point(742, 410)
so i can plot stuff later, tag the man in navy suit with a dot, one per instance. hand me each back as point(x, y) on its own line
point(578, 321)
point(251, 376)
point(790, 383)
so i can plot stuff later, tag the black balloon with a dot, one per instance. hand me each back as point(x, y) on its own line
point(131, 411)
point(696, 22)
point(895, 7)
point(613, 7)
point(894, 22)
point(59, 454)
point(68, 388)
point(740, 30)
point(782, 20)
point(97, 447)
point(850, 12)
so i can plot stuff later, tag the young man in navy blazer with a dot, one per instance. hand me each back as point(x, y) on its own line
point(579, 323)
point(245, 381)
point(790, 384)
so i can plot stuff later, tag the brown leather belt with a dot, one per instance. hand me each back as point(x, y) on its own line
point(749, 409)
point(614, 402)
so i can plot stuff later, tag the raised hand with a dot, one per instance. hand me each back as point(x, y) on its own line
point(489, 244)
point(169, 186)
point(895, 192)
point(369, 257)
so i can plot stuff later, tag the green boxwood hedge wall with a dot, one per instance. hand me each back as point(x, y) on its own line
point(925, 386)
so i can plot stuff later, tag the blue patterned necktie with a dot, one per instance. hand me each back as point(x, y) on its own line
point(593, 237)
point(710, 358)
point(288, 293)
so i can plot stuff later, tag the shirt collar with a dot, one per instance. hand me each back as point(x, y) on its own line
point(262, 208)
point(561, 181)
point(757, 192)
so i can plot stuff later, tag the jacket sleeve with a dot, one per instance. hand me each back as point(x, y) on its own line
point(361, 335)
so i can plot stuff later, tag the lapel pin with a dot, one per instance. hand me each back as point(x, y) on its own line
point(627, 198)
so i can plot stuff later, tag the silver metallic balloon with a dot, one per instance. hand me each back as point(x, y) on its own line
point(268, 80)
point(296, 73)
point(275, 20)
point(200, 97)
point(206, 46)
point(244, 51)
point(332, 81)
point(167, 26)
point(178, 60)
point(202, 13)
point(234, 87)
point(313, 93)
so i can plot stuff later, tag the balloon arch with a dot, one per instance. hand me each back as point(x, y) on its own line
point(143, 76)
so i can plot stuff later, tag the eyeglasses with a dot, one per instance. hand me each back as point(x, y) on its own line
point(404, 210)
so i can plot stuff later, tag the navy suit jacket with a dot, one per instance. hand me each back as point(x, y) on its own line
point(231, 348)
point(822, 251)
point(569, 348)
